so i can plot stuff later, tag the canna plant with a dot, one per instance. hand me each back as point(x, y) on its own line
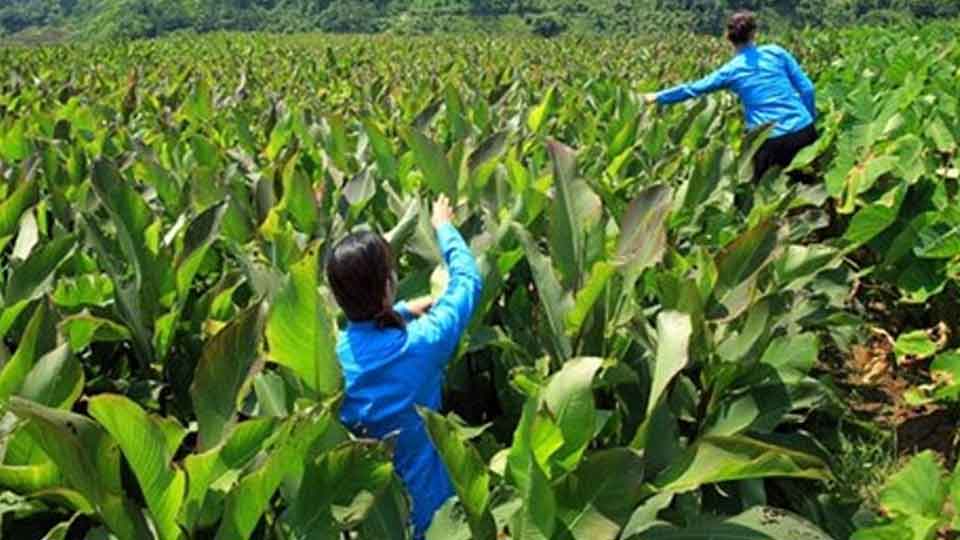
point(643, 361)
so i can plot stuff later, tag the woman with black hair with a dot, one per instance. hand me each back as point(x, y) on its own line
point(773, 88)
point(394, 355)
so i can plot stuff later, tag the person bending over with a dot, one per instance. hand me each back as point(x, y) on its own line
point(393, 356)
point(773, 88)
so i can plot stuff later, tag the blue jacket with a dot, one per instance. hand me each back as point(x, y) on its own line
point(389, 372)
point(771, 84)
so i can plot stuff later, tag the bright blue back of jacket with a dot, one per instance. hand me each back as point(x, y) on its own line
point(770, 83)
point(389, 372)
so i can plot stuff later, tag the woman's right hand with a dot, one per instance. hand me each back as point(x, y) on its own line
point(442, 212)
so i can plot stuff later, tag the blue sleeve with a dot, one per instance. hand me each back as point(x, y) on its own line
point(403, 310)
point(718, 80)
point(801, 83)
point(441, 328)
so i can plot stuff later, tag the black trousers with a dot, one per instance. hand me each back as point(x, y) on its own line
point(780, 151)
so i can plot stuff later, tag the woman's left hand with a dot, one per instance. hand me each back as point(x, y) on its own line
point(649, 99)
point(420, 306)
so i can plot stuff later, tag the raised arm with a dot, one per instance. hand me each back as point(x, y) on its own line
point(718, 80)
point(801, 82)
point(443, 325)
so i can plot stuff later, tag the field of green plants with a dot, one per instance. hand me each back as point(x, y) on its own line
point(663, 350)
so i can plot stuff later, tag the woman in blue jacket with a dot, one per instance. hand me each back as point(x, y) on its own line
point(393, 356)
point(773, 88)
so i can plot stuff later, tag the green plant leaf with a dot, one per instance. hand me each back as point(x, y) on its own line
point(229, 360)
point(722, 459)
point(234, 454)
point(148, 444)
point(38, 338)
point(760, 523)
point(539, 115)
point(569, 396)
point(34, 277)
point(918, 489)
point(301, 332)
point(469, 474)
point(583, 304)
point(552, 295)
point(575, 212)
point(89, 461)
point(643, 232)
point(673, 340)
point(916, 344)
point(251, 496)
point(437, 172)
point(338, 490)
point(200, 234)
point(55, 381)
point(596, 501)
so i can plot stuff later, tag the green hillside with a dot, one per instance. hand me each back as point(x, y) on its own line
point(149, 18)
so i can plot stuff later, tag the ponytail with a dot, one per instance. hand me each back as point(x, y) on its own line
point(389, 318)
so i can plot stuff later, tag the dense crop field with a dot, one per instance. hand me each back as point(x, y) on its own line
point(663, 350)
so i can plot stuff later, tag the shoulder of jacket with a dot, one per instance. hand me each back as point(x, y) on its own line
point(773, 48)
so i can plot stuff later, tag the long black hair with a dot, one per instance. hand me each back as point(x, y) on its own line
point(361, 273)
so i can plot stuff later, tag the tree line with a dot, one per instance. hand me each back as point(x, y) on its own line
point(149, 18)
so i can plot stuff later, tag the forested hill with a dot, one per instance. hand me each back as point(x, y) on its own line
point(147, 18)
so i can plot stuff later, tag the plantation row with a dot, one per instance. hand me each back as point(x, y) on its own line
point(645, 362)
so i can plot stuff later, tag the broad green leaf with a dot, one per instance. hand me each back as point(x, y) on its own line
point(382, 150)
point(250, 498)
point(722, 459)
point(234, 454)
point(760, 523)
point(569, 396)
point(148, 444)
point(89, 461)
point(875, 218)
point(338, 491)
point(467, 471)
point(34, 277)
point(585, 299)
point(38, 338)
point(200, 234)
point(537, 517)
point(437, 172)
point(537, 437)
point(596, 501)
point(539, 115)
point(792, 356)
point(83, 329)
point(916, 344)
point(301, 332)
point(745, 255)
point(489, 149)
point(908, 528)
point(55, 381)
point(31, 478)
point(552, 296)
point(916, 490)
point(228, 361)
point(643, 232)
point(673, 340)
point(404, 230)
point(13, 207)
point(645, 516)
point(941, 135)
point(575, 212)
point(450, 523)
point(939, 240)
